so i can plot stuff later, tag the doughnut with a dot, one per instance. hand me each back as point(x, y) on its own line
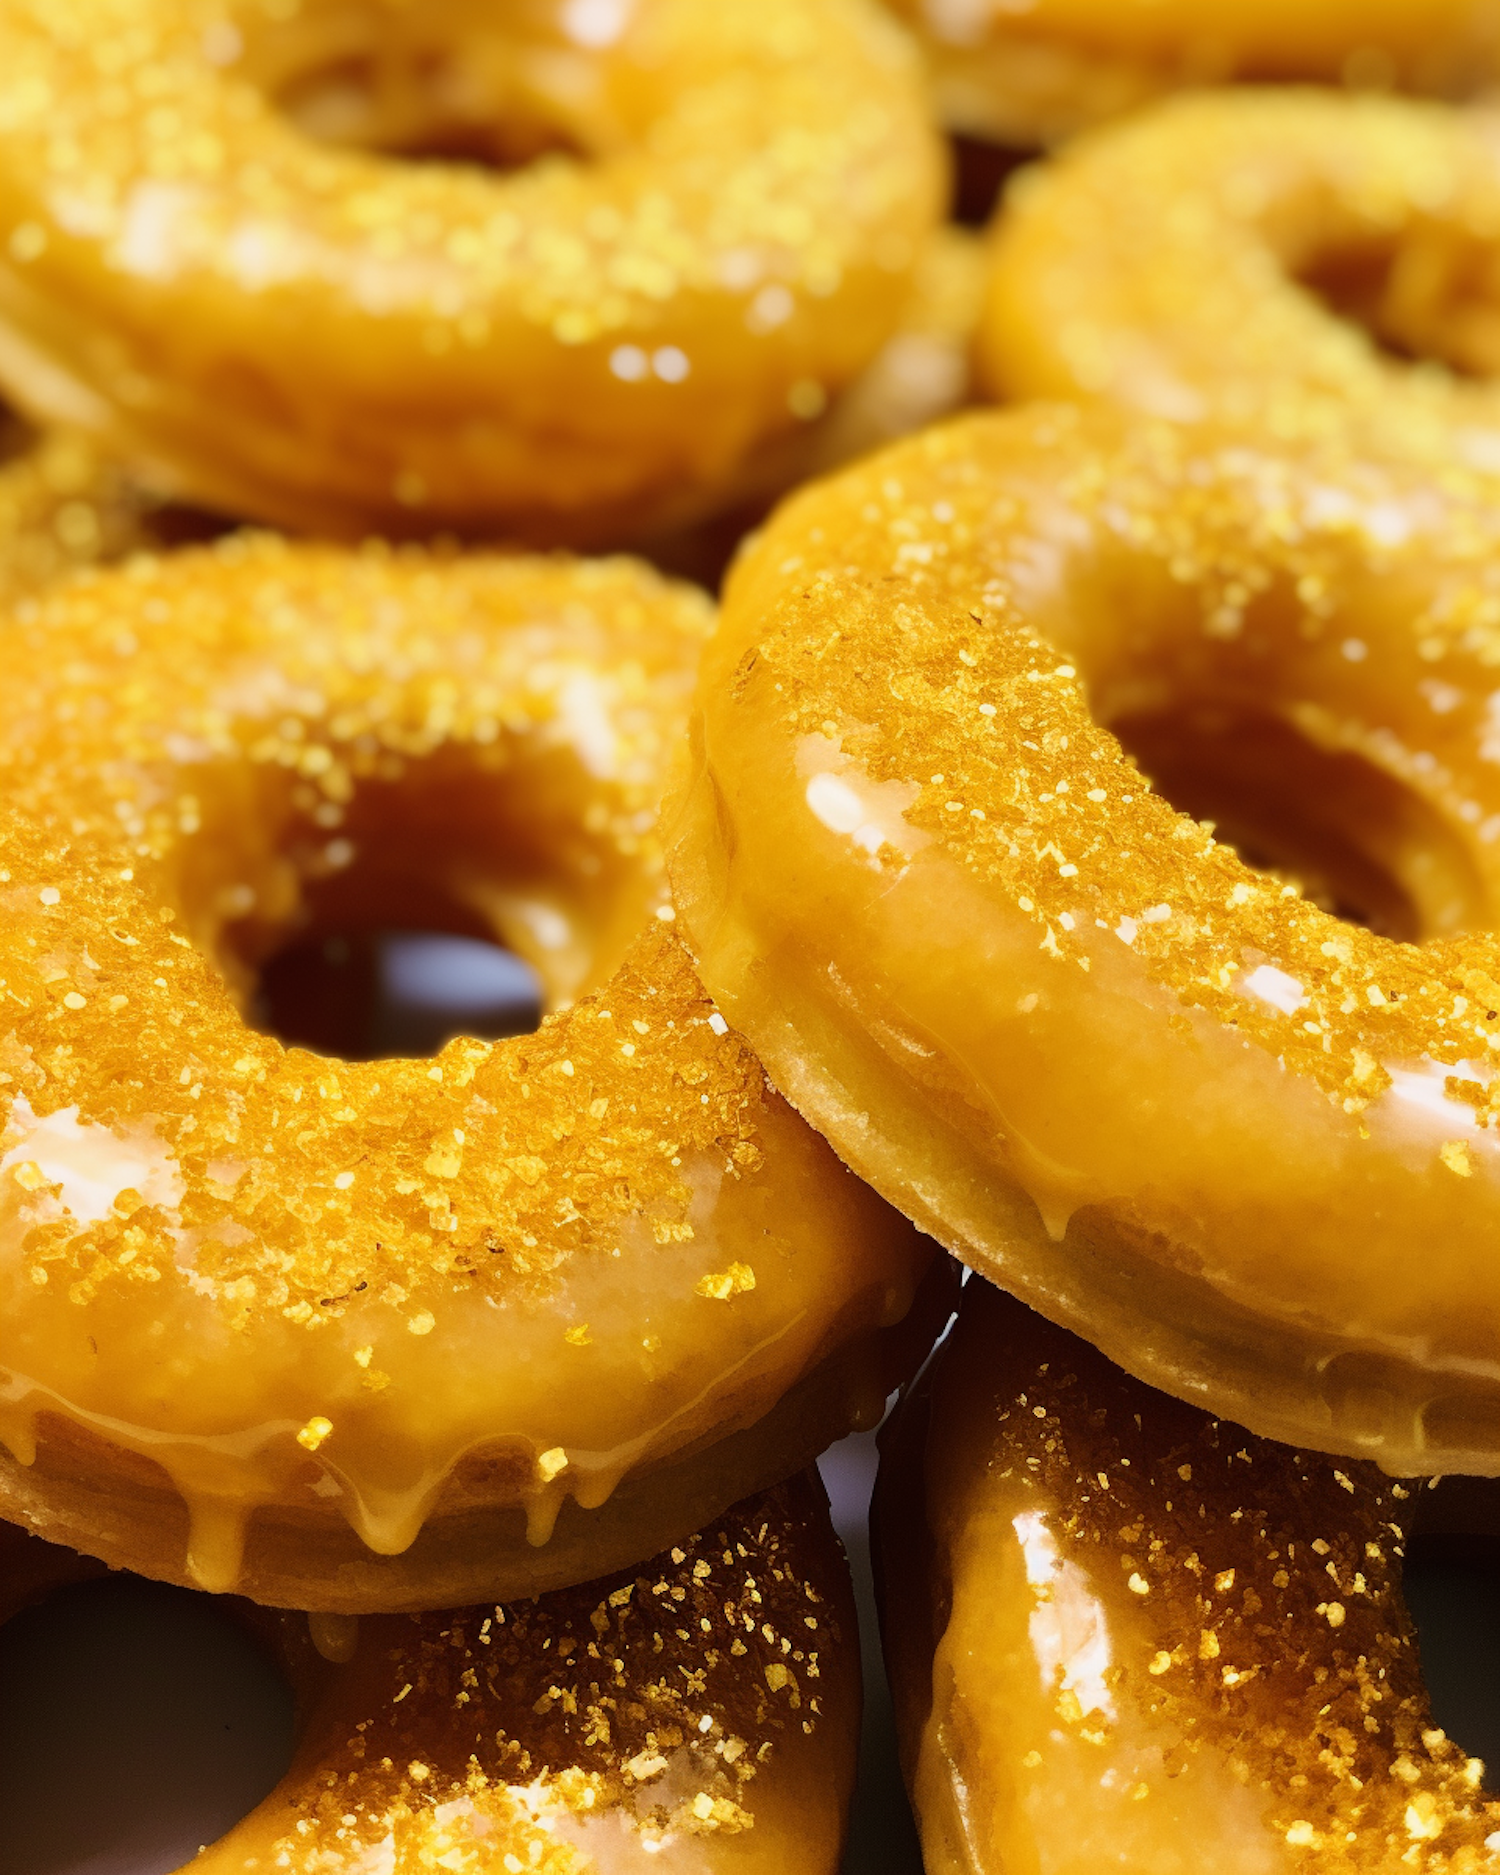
point(258, 288)
point(1121, 1631)
point(1296, 259)
point(698, 1714)
point(389, 1334)
point(1171, 1098)
point(1036, 72)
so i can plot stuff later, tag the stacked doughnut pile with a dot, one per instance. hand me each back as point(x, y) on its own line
point(1073, 844)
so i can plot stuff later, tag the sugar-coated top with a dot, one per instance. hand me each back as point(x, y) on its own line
point(708, 223)
point(159, 715)
point(659, 1703)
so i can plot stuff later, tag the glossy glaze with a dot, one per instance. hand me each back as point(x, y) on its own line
point(356, 1296)
point(1245, 1146)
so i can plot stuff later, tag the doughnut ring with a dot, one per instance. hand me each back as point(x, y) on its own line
point(1245, 1147)
point(716, 217)
point(253, 1297)
point(698, 1714)
point(1349, 243)
point(1031, 74)
point(1128, 1631)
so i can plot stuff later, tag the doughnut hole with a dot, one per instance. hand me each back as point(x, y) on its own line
point(137, 1722)
point(450, 896)
point(369, 995)
point(429, 84)
point(1430, 296)
point(1349, 835)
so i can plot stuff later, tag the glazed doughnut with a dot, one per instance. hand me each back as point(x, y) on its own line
point(257, 293)
point(1032, 73)
point(696, 1715)
point(1245, 1147)
point(389, 1334)
point(1290, 258)
point(1122, 1634)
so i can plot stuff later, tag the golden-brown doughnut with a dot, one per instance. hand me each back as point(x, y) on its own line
point(697, 1715)
point(1295, 259)
point(218, 260)
point(1031, 73)
point(406, 1332)
point(1244, 1146)
point(1125, 1635)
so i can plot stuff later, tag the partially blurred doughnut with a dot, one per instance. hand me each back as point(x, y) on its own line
point(1296, 260)
point(1030, 73)
point(256, 288)
point(375, 1335)
point(1124, 1635)
point(699, 1714)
